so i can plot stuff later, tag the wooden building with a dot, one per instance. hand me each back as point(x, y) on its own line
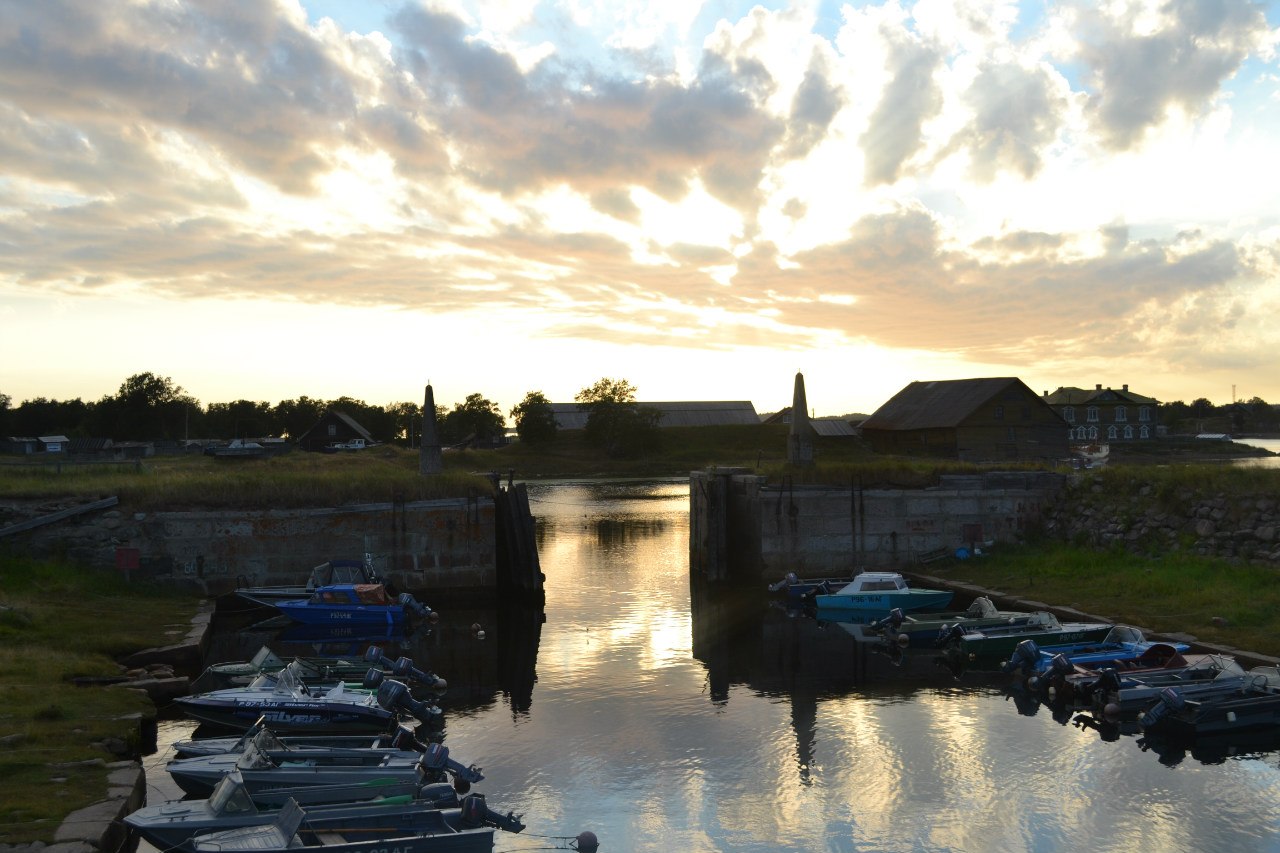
point(973, 420)
point(1105, 414)
point(333, 427)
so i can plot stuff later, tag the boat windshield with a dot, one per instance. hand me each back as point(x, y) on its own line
point(1124, 634)
point(266, 741)
point(265, 659)
point(230, 797)
point(253, 759)
point(288, 681)
point(982, 607)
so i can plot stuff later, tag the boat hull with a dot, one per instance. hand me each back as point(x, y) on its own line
point(981, 645)
point(882, 602)
point(307, 612)
point(287, 715)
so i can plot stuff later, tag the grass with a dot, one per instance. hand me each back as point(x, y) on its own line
point(1211, 599)
point(56, 625)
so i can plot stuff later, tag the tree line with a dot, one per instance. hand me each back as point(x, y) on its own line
point(148, 407)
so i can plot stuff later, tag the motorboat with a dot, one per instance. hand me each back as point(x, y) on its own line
point(325, 574)
point(974, 642)
point(231, 804)
point(353, 604)
point(1122, 645)
point(1255, 705)
point(1123, 691)
point(401, 738)
point(881, 592)
point(313, 669)
point(267, 762)
point(466, 829)
point(928, 629)
point(288, 704)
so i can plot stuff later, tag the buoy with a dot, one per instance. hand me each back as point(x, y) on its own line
point(475, 626)
point(1111, 709)
point(479, 635)
point(586, 842)
point(904, 640)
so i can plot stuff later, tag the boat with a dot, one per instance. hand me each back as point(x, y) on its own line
point(400, 738)
point(231, 804)
point(353, 604)
point(290, 705)
point(313, 669)
point(1123, 645)
point(1124, 691)
point(881, 592)
point(328, 572)
point(238, 448)
point(267, 763)
point(1255, 705)
point(466, 829)
point(972, 643)
point(930, 628)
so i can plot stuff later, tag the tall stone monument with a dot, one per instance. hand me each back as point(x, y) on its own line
point(800, 439)
point(430, 458)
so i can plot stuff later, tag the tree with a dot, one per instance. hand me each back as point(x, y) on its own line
point(614, 421)
point(476, 418)
point(5, 413)
point(241, 419)
point(407, 420)
point(150, 407)
point(535, 421)
point(40, 416)
point(294, 417)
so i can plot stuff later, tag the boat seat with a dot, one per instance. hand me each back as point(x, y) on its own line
point(330, 837)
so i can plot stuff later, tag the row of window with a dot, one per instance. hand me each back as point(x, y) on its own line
point(1119, 413)
point(1113, 433)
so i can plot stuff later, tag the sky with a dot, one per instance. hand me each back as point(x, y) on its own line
point(269, 199)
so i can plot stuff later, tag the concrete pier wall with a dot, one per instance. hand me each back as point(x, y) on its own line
point(420, 546)
point(743, 529)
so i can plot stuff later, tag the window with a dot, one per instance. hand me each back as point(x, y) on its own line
point(1122, 414)
point(999, 413)
point(1010, 435)
point(1144, 414)
point(1069, 414)
point(333, 430)
point(1093, 414)
point(1112, 433)
point(1093, 433)
point(1128, 432)
point(1144, 432)
point(1080, 434)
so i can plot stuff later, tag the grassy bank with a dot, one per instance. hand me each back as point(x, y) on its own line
point(59, 622)
point(1213, 600)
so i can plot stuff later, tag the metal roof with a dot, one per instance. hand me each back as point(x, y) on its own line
point(939, 404)
point(686, 413)
point(1071, 396)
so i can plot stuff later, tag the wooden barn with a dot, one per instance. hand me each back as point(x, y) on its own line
point(332, 428)
point(973, 420)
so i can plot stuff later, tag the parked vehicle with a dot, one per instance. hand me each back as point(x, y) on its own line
point(1255, 705)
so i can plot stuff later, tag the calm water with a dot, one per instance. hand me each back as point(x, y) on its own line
point(1272, 444)
point(668, 720)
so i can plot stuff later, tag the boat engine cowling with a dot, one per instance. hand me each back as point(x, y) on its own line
point(476, 812)
point(891, 622)
point(436, 760)
point(1025, 656)
point(949, 634)
point(403, 667)
point(395, 696)
point(373, 678)
point(438, 795)
point(411, 604)
point(1170, 701)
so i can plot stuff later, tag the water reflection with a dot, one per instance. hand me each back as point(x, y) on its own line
point(664, 715)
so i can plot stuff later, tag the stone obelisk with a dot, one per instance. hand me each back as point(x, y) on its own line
point(430, 459)
point(800, 439)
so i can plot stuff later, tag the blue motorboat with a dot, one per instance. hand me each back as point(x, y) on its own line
point(881, 592)
point(327, 573)
point(1123, 646)
point(353, 604)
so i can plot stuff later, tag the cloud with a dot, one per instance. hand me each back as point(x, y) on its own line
point(1017, 113)
point(912, 96)
point(1141, 64)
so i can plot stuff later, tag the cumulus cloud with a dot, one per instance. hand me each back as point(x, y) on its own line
point(1142, 64)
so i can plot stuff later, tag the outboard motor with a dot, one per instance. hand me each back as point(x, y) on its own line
point(475, 812)
point(373, 678)
point(1170, 701)
point(394, 696)
point(949, 634)
point(891, 622)
point(435, 762)
point(412, 605)
point(1060, 666)
point(1025, 656)
point(405, 740)
point(438, 795)
point(403, 667)
point(1107, 682)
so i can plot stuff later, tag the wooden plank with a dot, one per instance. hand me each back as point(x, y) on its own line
point(60, 515)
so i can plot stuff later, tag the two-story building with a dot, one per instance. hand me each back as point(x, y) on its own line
point(1105, 414)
